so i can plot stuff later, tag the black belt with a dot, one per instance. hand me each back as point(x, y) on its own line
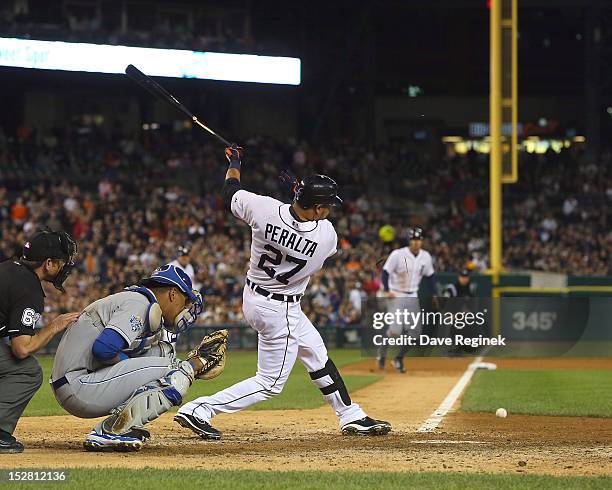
point(290, 298)
point(58, 383)
point(404, 292)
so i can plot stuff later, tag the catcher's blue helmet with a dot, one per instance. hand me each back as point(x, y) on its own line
point(171, 275)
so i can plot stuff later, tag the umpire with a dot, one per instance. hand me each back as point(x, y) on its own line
point(461, 298)
point(47, 256)
point(462, 288)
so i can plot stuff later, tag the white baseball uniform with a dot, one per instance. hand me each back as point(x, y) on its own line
point(405, 273)
point(285, 252)
point(187, 268)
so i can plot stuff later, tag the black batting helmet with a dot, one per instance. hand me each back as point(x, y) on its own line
point(184, 249)
point(415, 233)
point(317, 189)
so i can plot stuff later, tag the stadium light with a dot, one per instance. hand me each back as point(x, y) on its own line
point(178, 63)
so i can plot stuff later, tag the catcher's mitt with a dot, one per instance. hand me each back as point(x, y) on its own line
point(211, 354)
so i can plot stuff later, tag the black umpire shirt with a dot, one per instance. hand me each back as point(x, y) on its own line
point(457, 290)
point(463, 291)
point(22, 299)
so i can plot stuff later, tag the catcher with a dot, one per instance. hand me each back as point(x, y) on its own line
point(112, 362)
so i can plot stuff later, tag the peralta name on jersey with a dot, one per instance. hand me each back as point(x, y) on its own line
point(290, 240)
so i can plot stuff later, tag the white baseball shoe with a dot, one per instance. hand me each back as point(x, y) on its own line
point(398, 364)
point(111, 442)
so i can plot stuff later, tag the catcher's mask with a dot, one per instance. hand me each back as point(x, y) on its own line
point(49, 244)
point(170, 275)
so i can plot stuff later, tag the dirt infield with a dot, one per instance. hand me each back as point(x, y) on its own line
point(310, 440)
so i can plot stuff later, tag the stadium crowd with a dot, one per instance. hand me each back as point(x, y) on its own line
point(208, 29)
point(131, 201)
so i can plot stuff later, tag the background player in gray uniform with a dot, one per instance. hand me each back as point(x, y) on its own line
point(290, 242)
point(401, 278)
point(111, 359)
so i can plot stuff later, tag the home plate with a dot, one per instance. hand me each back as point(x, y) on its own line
point(445, 441)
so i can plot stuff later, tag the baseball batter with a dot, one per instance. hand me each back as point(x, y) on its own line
point(401, 278)
point(111, 362)
point(290, 242)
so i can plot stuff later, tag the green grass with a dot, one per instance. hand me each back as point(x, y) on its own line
point(153, 479)
point(564, 350)
point(299, 392)
point(585, 393)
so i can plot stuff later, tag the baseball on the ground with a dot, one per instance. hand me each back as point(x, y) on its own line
point(501, 412)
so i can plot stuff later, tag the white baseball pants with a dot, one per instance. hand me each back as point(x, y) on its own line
point(285, 334)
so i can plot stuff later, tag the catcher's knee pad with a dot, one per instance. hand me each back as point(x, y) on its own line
point(329, 381)
point(151, 400)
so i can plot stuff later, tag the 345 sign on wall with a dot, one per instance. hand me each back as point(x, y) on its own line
point(534, 320)
point(549, 318)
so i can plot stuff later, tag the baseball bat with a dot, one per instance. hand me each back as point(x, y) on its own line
point(160, 92)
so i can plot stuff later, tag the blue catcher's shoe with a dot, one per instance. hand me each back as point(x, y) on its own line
point(140, 433)
point(110, 442)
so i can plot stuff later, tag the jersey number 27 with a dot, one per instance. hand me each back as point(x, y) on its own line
point(276, 260)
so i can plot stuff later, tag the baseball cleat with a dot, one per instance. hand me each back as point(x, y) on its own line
point(381, 362)
point(398, 364)
point(367, 426)
point(111, 442)
point(139, 433)
point(200, 427)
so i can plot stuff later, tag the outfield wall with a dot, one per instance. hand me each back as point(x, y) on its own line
point(580, 312)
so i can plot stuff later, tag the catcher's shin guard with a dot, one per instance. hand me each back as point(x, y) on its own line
point(151, 400)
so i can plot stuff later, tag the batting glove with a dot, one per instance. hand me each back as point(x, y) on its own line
point(233, 154)
point(288, 182)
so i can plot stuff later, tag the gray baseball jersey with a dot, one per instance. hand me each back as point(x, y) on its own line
point(122, 312)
